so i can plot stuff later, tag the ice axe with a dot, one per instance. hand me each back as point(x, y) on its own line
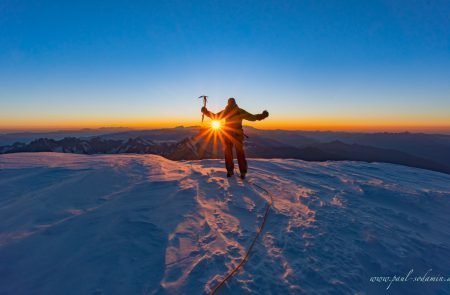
point(205, 99)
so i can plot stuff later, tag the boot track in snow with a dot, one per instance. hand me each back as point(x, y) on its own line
point(249, 250)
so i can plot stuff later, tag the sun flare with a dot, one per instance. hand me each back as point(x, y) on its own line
point(215, 125)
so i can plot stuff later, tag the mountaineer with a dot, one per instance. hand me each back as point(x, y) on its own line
point(233, 133)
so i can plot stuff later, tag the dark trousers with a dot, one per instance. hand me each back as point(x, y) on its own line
point(238, 144)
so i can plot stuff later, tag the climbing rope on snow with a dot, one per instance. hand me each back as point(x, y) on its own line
point(249, 250)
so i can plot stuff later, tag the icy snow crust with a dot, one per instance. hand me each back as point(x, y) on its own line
point(141, 224)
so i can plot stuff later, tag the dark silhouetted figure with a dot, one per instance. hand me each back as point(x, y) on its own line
point(233, 134)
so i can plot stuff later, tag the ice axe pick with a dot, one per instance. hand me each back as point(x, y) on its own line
point(205, 99)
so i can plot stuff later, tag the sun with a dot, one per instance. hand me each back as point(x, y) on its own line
point(215, 125)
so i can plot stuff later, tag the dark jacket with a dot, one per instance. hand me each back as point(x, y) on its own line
point(233, 116)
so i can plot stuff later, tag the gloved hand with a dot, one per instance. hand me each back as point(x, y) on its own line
point(204, 110)
point(265, 114)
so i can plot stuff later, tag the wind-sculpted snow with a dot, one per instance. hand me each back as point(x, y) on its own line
point(142, 224)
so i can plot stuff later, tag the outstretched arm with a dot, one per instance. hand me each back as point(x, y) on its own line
point(210, 114)
point(257, 117)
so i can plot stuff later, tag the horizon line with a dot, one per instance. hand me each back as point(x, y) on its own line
point(445, 130)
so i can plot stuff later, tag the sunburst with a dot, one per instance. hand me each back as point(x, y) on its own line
point(216, 125)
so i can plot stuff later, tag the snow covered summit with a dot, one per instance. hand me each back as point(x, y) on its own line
point(142, 224)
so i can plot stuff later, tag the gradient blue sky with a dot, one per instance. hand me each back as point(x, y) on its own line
point(312, 64)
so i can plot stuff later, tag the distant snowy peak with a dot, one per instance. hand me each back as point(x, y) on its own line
point(186, 149)
point(136, 145)
point(195, 148)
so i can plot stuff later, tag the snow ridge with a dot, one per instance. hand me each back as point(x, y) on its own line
point(142, 224)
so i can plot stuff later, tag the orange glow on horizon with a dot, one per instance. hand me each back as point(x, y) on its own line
point(314, 123)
